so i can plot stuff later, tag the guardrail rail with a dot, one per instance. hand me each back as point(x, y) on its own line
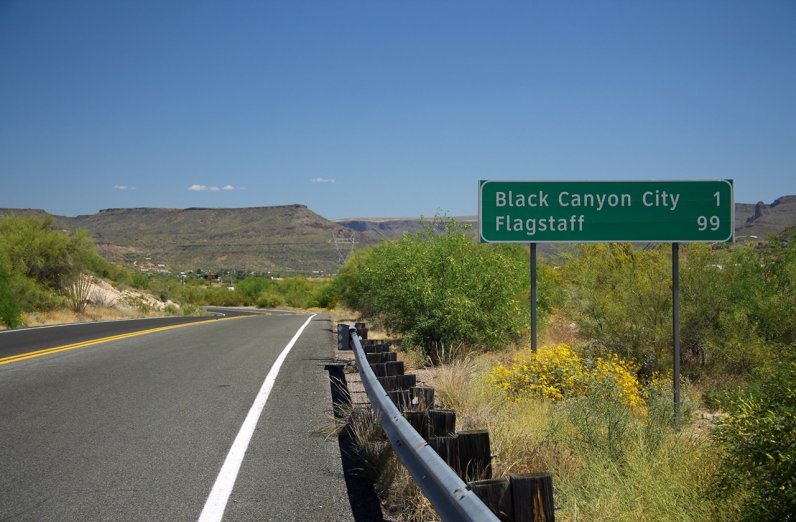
point(510, 499)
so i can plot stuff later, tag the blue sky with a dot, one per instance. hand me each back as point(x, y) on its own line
point(386, 109)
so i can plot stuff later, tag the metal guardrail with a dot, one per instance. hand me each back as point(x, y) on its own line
point(452, 498)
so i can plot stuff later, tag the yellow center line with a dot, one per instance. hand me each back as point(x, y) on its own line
point(92, 342)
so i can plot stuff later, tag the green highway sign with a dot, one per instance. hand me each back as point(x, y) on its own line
point(606, 211)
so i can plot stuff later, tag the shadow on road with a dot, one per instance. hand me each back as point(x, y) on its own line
point(361, 492)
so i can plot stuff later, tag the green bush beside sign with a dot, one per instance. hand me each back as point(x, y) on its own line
point(606, 211)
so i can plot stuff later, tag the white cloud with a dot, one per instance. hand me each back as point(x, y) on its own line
point(123, 187)
point(214, 188)
point(322, 180)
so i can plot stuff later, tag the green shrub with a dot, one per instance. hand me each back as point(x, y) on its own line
point(139, 281)
point(601, 420)
point(268, 299)
point(720, 289)
point(9, 310)
point(736, 304)
point(252, 287)
point(192, 294)
point(101, 267)
point(326, 296)
point(42, 263)
point(223, 297)
point(620, 298)
point(759, 437)
point(442, 290)
point(190, 309)
point(296, 292)
point(32, 296)
point(35, 250)
point(776, 292)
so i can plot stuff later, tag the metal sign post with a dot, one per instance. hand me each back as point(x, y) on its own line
point(533, 297)
point(676, 332)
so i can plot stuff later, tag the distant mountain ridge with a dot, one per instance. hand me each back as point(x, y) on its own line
point(393, 228)
point(280, 239)
point(763, 220)
point(289, 238)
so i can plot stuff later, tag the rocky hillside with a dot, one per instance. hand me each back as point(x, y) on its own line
point(282, 239)
point(393, 228)
point(762, 220)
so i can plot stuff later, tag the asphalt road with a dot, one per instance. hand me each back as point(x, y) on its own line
point(26, 340)
point(138, 428)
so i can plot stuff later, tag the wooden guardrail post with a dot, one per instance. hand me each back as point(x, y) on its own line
point(394, 368)
point(398, 382)
point(518, 498)
point(422, 398)
point(376, 347)
point(441, 422)
point(381, 357)
point(496, 494)
point(400, 398)
point(475, 455)
point(419, 421)
point(533, 497)
point(448, 449)
point(362, 330)
point(341, 397)
point(343, 337)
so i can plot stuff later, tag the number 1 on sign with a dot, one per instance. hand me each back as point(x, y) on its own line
point(718, 198)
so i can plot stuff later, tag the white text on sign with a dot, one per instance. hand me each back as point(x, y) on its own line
point(653, 199)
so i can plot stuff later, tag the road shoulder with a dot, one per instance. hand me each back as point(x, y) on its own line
point(293, 470)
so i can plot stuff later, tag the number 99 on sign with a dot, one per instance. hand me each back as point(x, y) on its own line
point(703, 222)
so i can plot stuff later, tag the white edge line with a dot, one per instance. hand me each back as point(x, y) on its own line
point(216, 503)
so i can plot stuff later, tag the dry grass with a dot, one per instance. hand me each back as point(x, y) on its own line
point(65, 316)
point(662, 481)
point(400, 496)
point(343, 315)
point(517, 430)
point(91, 313)
point(659, 474)
point(560, 329)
